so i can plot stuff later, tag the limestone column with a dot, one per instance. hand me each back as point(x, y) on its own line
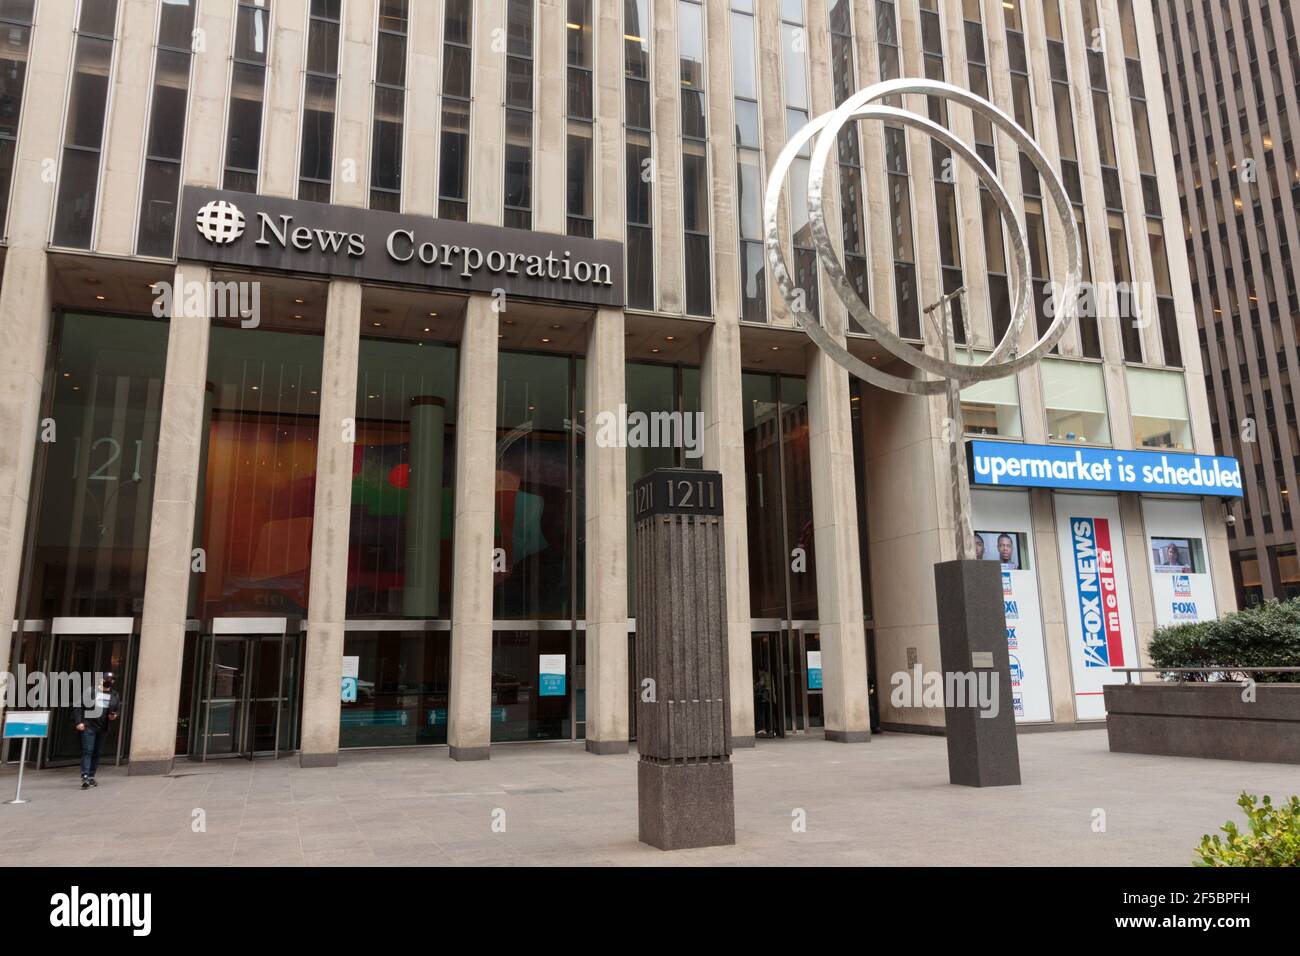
point(24, 332)
point(327, 597)
point(171, 528)
point(428, 423)
point(606, 562)
point(724, 451)
point(835, 538)
point(469, 727)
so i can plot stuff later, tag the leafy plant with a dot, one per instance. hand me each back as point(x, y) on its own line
point(1266, 635)
point(1273, 840)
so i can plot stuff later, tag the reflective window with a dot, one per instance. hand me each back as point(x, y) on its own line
point(578, 174)
point(157, 229)
point(92, 492)
point(639, 238)
point(990, 408)
point(403, 678)
point(259, 460)
point(316, 160)
point(74, 215)
point(247, 92)
point(519, 117)
point(400, 537)
point(390, 106)
point(695, 163)
point(453, 151)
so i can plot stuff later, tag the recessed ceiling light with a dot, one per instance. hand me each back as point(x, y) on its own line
point(427, 329)
point(433, 315)
point(545, 341)
point(378, 325)
point(254, 387)
point(297, 315)
point(656, 351)
point(67, 375)
point(100, 298)
point(299, 301)
point(776, 348)
point(670, 338)
point(555, 327)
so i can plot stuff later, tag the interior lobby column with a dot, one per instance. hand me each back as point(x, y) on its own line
point(835, 529)
point(171, 527)
point(724, 451)
point(606, 555)
point(327, 594)
point(469, 711)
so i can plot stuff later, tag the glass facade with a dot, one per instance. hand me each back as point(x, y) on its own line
point(519, 115)
point(453, 151)
point(402, 686)
point(778, 488)
point(1074, 394)
point(320, 93)
point(93, 488)
point(15, 44)
point(390, 107)
point(160, 191)
point(400, 538)
point(696, 214)
point(83, 132)
point(247, 94)
point(255, 519)
point(637, 123)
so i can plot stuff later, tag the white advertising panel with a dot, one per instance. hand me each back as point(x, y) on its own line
point(1180, 571)
point(1004, 534)
point(1095, 586)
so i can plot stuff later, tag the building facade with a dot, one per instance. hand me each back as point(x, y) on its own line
point(314, 313)
point(1230, 76)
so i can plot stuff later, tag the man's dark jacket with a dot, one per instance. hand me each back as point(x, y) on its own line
point(93, 717)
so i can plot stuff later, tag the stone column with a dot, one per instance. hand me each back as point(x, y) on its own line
point(171, 529)
point(835, 538)
point(327, 597)
point(24, 332)
point(606, 563)
point(724, 452)
point(469, 727)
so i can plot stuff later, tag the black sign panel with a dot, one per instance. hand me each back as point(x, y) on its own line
point(677, 491)
point(264, 232)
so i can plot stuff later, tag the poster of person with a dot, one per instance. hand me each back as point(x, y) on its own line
point(1001, 546)
point(1172, 554)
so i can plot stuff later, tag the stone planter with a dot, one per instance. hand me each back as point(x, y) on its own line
point(1205, 720)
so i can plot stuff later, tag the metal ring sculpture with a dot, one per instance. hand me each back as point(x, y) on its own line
point(1003, 361)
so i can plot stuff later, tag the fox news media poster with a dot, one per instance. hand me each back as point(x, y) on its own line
point(1098, 609)
point(1181, 586)
point(1002, 518)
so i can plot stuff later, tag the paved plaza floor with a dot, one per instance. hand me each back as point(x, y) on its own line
point(883, 803)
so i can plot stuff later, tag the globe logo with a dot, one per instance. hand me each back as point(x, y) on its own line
point(220, 222)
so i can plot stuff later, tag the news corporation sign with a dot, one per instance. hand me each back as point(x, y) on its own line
point(246, 231)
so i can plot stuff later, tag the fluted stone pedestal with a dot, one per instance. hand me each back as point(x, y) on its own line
point(684, 778)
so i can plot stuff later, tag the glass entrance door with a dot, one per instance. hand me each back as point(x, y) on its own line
point(91, 646)
point(249, 700)
point(787, 680)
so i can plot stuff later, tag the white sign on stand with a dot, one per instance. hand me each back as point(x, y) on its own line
point(25, 725)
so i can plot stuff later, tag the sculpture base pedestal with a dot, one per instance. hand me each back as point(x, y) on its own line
point(981, 732)
point(684, 805)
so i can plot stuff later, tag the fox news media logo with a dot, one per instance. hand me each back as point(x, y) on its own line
point(1018, 703)
point(1011, 610)
point(1184, 610)
point(1006, 582)
point(1016, 672)
point(1013, 642)
point(1182, 585)
point(220, 222)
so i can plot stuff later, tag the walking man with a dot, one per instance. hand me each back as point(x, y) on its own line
point(93, 726)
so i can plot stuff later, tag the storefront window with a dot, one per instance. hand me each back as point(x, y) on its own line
point(255, 522)
point(530, 685)
point(1075, 396)
point(1159, 403)
point(993, 407)
point(402, 685)
point(399, 541)
point(93, 487)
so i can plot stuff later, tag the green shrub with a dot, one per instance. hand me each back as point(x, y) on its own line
point(1273, 840)
point(1266, 635)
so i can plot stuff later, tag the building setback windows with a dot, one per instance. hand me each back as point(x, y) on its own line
point(1158, 401)
point(695, 163)
point(849, 154)
point(162, 169)
point(637, 121)
point(897, 184)
point(16, 27)
point(519, 115)
point(1058, 69)
point(945, 187)
point(1074, 394)
point(794, 61)
point(247, 92)
point(320, 92)
point(749, 165)
point(390, 107)
point(83, 134)
point(453, 153)
point(579, 158)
